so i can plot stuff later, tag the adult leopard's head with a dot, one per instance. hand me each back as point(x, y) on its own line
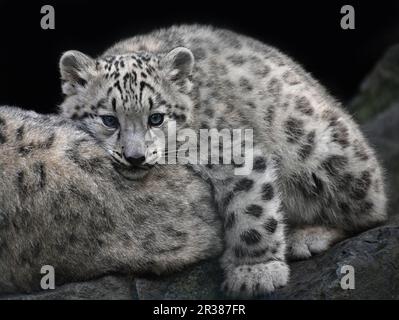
point(129, 102)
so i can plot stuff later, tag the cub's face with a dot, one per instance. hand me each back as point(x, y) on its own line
point(129, 102)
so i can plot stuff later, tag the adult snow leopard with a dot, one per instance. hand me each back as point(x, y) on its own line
point(313, 169)
point(62, 204)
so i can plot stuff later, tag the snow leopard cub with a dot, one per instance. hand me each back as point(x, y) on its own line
point(315, 180)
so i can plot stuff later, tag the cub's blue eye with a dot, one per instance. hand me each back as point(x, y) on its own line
point(110, 121)
point(156, 119)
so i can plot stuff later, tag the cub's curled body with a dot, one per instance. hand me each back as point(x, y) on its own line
point(313, 169)
point(62, 204)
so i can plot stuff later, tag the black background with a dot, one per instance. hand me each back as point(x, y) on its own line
point(307, 30)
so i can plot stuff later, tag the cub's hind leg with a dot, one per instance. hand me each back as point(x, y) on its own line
point(254, 257)
point(306, 241)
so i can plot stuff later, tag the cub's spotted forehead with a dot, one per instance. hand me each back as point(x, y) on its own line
point(144, 63)
point(132, 80)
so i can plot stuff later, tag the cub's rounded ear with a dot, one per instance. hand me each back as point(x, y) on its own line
point(178, 67)
point(76, 69)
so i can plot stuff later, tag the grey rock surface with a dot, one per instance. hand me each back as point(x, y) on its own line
point(374, 255)
point(201, 281)
point(383, 133)
point(105, 288)
point(380, 89)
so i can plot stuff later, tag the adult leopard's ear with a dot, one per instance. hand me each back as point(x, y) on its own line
point(76, 69)
point(178, 67)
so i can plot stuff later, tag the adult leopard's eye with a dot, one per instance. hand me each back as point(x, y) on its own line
point(156, 119)
point(110, 121)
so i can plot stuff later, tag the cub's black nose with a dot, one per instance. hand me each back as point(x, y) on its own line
point(135, 161)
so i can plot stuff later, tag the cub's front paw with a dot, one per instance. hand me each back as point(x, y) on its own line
point(247, 281)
